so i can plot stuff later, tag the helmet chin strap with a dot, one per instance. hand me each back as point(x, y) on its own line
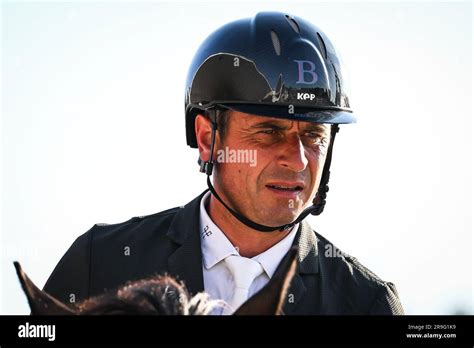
point(319, 200)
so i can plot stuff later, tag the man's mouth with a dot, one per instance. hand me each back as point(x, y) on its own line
point(286, 187)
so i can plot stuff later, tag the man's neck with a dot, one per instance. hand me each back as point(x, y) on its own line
point(248, 241)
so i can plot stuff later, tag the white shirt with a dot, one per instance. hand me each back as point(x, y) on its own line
point(215, 246)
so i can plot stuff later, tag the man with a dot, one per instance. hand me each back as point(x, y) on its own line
point(264, 98)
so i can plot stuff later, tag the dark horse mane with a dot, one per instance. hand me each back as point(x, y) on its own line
point(160, 295)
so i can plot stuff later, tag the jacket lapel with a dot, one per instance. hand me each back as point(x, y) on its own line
point(185, 262)
point(308, 263)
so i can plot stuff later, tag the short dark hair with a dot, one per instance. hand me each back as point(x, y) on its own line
point(222, 122)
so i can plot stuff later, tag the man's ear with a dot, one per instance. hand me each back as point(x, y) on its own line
point(203, 128)
point(270, 300)
point(40, 302)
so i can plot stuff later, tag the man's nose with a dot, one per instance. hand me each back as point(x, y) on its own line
point(292, 155)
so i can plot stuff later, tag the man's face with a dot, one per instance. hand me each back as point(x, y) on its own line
point(278, 172)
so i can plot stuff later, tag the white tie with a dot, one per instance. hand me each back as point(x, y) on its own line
point(244, 272)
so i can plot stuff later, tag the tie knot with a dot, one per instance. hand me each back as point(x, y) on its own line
point(244, 270)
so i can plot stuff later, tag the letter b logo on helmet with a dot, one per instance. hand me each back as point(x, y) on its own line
point(302, 71)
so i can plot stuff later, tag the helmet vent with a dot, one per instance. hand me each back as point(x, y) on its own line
point(293, 23)
point(276, 42)
point(323, 46)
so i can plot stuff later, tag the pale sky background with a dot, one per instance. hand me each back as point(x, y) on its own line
point(92, 131)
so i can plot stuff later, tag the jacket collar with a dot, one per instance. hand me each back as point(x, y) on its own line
point(185, 262)
point(308, 264)
point(307, 249)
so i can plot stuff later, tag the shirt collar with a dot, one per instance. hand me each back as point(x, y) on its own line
point(271, 258)
point(216, 246)
point(214, 243)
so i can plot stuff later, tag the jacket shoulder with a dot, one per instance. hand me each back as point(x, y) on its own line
point(96, 255)
point(135, 219)
point(153, 223)
point(359, 287)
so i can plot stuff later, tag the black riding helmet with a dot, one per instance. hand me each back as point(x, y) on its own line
point(273, 65)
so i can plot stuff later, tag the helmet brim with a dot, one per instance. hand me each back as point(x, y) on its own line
point(299, 113)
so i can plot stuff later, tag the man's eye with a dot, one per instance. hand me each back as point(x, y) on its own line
point(317, 139)
point(313, 135)
point(268, 131)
